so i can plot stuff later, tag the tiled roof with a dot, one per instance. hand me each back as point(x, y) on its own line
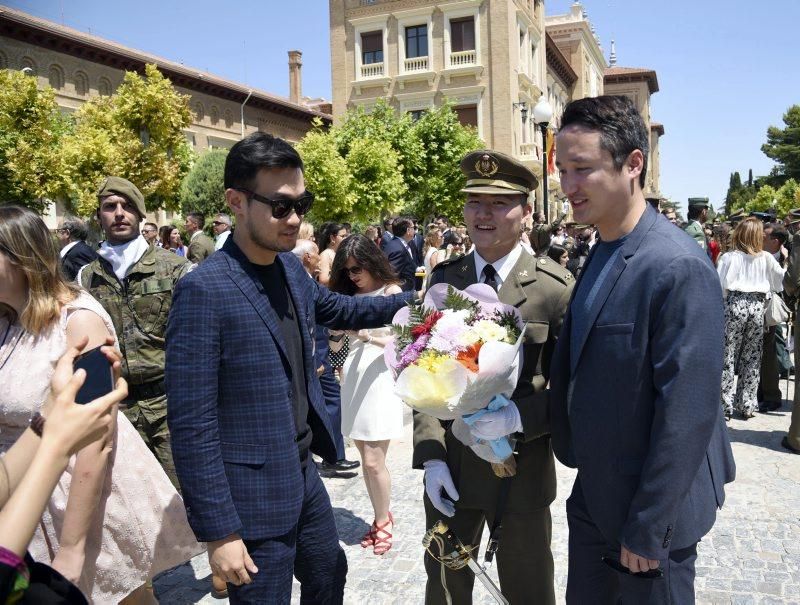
point(613, 75)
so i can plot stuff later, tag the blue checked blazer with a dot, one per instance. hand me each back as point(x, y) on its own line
point(229, 389)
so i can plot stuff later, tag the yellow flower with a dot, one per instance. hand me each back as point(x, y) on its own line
point(430, 361)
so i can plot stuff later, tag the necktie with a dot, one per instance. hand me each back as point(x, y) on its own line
point(490, 277)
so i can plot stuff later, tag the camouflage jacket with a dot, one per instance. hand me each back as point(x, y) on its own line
point(139, 307)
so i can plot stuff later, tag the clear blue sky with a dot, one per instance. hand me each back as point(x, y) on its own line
point(726, 70)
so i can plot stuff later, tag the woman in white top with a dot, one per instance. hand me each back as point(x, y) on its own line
point(371, 414)
point(748, 274)
point(433, 240)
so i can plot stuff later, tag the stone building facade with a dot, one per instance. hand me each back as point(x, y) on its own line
point(79, 66)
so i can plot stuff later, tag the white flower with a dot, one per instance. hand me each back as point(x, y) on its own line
point(488, 331)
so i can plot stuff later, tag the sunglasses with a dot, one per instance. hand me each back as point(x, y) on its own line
point(354, 270)
point(218, 223)
point(283, 206)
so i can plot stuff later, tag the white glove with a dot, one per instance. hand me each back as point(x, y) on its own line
point(494, 425)
point(437, 476)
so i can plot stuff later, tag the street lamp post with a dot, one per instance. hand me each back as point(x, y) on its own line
point(542, 114)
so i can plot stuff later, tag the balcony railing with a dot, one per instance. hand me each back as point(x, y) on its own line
point(528, 150)
point(372, 70)
point(462, 58)
point(416, 64)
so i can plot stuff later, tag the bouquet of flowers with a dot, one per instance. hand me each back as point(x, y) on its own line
point(456, 354)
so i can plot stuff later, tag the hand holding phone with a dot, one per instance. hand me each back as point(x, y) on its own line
point(99, 375)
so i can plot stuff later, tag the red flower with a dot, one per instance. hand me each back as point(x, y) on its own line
point(426, 326)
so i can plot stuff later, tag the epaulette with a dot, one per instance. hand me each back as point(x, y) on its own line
point(554, 269)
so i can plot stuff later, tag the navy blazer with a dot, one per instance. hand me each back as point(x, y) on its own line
point(229, 389)
point(401, 261)
point(639, 412)
point(79, 255)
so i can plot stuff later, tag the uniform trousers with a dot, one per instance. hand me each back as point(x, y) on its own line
point(524, 559)
point(310, 551)
point(590, 580)
point(768, 386)
point(794, 428)
point(744, 327)
point(149, 416)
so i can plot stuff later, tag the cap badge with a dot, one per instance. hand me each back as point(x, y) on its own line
point(486, 166)
point(523, 273)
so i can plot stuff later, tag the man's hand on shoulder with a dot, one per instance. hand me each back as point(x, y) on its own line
point(636, 563)
point(230, 560)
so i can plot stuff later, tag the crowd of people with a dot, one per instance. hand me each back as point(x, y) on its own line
point(235, 360)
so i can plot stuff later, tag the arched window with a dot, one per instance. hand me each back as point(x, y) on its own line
point(104, 86)
point(199, 112)
point(81, 83)
point(56, 76)
point(228, 118)
point(29, 63)
point(214, 115)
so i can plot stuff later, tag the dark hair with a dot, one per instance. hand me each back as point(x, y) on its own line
point(621, 127)
point(163, 235)
point(198, 219)
point(76, 227)
point(400, 225)
point(325, 233)
point(695, 212)
point(555, 252)
point(368, 256)
point(778, 232)
point(255, 152)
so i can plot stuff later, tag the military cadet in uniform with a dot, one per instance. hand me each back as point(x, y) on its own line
point(200, 245)
point(134, 283)
point(791, 285)
point(698, 211)
point(496, 203)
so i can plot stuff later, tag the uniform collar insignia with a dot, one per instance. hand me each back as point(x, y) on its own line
point(523, 273)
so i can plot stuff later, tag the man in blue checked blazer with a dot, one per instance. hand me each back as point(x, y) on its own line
point(246, 408)
point(636, 375)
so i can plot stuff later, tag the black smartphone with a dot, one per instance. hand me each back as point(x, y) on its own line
point(99, 376)
point(650, 574)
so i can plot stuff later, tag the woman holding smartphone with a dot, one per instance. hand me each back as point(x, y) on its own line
point(88, 531)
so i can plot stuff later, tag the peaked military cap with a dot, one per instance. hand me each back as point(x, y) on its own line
point(115, 185)
point(793, 216)
point(698, 202)
point(496, 173)
point(736, 217)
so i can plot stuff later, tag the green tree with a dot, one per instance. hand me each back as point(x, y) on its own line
point(444, 141)
point(327, 175)
point(763, 200)
point(31, 126)
point(788, 197)
point(734, 187)
point(378, 182)
point(783, 146)
point(138, 134)
point(202, 190)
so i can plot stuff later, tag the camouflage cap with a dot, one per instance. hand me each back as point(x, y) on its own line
point(698, 202)
point(496, 173)
point(115, 185)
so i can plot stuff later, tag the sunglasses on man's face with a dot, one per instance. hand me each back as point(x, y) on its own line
point(355, 270)
point(282, 207)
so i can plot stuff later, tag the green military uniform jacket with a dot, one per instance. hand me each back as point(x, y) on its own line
point(695, 229)
point(139, 307)
point(200, 248)
point(540, 289)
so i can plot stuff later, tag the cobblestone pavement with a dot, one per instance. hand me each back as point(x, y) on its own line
point(752, 555)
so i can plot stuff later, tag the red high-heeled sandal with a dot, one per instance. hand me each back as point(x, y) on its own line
point(369, 537)
point(382, 538)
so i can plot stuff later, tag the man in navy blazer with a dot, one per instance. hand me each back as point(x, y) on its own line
point(401, 253)
point(635, 380)
point(246, 408)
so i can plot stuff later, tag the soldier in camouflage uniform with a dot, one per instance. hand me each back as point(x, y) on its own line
point(134, 283)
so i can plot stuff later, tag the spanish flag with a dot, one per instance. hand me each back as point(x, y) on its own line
point(551, 152)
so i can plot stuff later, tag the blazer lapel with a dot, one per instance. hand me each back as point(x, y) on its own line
point(512, 292)
point(301, 309)
point(247, 281)
point(462, 273)
point(618, 264)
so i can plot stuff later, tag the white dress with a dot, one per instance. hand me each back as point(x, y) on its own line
point(144, 529)
point(370, 410)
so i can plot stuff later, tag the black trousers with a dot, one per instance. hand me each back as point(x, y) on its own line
point(310, 552)
point(590, 581)
point(333, 404)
